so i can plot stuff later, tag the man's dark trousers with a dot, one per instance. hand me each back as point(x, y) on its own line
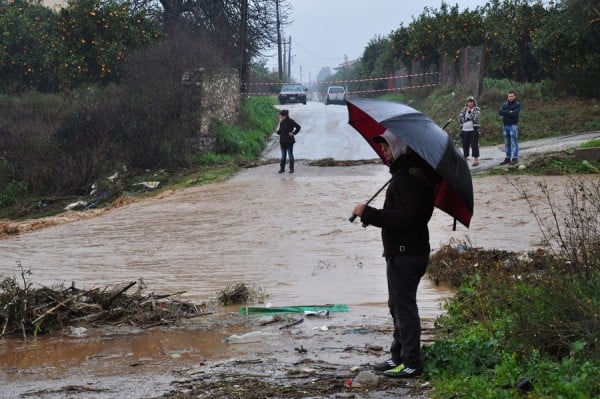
point(404, 273)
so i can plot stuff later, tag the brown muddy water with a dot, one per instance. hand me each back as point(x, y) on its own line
point(286, 234)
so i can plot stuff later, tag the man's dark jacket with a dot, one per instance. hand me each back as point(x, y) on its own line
point(287, 126)
point(510, 113)
point(407, 208)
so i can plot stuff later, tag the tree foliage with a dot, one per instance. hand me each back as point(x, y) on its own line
point(85, 42)
point(25, 31)
point(525, 41)
point(94, 37)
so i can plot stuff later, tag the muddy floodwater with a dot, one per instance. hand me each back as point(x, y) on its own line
point(286, 234)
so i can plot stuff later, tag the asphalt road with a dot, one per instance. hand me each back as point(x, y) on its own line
point(326, 134)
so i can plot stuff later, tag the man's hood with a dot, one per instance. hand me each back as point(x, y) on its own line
point(399, 146)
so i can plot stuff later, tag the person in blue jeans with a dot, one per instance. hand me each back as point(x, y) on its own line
point(510, 111)
point(288, 128)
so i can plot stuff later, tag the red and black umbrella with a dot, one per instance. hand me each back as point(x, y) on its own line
point(454, 193)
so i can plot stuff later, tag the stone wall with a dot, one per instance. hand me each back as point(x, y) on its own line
point(210, 95)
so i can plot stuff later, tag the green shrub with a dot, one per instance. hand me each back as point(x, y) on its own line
point(14, 191)
point(529, 316)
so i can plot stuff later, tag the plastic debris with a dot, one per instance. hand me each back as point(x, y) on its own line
point(77, 331)
point(113, 177)
point(149, 184)
point(253, 336)
point(292, 309)
point(366, 379)
point(322, 328)
point(319, 313)
point(293, 323)
point(76, 205)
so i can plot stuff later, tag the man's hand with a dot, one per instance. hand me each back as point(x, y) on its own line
point(358, 209)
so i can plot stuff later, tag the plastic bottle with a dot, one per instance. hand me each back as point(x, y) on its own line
point(253, 336)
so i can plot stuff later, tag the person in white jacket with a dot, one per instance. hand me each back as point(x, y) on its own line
point(469, 119)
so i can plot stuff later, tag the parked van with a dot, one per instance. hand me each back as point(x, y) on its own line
point(335, 95)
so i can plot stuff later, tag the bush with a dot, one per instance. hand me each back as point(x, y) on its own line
point(532, 315)
point(12, 193)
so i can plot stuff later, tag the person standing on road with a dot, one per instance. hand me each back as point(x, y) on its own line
point(403, 221)
point(469, 118)
point(288, 128)
point(510, 111)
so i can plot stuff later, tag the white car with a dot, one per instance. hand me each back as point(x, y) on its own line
point(335, 95)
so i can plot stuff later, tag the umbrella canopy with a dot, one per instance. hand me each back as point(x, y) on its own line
point(454, 194)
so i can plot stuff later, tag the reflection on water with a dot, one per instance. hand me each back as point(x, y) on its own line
point(55, 355)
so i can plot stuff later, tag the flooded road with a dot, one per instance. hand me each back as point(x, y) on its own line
point(287, 234)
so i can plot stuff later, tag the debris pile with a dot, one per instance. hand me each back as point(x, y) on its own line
point(31, 311)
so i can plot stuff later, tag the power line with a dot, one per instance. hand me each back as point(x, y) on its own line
point(314, 54)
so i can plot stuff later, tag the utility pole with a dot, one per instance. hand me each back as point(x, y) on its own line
point(279, 55)
point(300, 73)
point(482, 65)
point(284, 70)
point(290, 59)
point(244, 67)
point(346, 71)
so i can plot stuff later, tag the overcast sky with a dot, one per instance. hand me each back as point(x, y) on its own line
point(324, 31)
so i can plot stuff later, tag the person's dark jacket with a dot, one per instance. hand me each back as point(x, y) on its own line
point(510, 113)
point(407, 208)
point(287, 126)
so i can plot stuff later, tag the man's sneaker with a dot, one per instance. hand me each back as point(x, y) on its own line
point(505, 162)
point(383, 366)
point(403, 372)
point(514, 161)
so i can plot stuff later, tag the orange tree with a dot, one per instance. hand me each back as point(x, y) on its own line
point(510, 25)
point(567, 46)
point(94, 37)
point(26, 31)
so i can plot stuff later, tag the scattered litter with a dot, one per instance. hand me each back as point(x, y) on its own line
point(175, 355)
point(322, 328)
point(295, 322)
point(149, 184)
point(76, 205)
point(374, 348)
point(366, 379)
point(301, 349)
point(253, 336)
point(77, 331)
point(94, 189)
point(97, 199)
point(293, 309)
point(320, 313)
point(357, 331)
point(113, 177)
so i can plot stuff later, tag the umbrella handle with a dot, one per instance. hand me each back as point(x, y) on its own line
point(353, 217)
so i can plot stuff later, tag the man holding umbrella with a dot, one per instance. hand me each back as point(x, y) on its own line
point(408, 206)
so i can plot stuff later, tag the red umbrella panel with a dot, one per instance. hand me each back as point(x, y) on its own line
point(454, 193)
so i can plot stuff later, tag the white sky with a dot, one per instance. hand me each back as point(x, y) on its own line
point(323, 31)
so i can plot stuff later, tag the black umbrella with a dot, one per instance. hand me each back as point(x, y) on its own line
point(454, 194)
